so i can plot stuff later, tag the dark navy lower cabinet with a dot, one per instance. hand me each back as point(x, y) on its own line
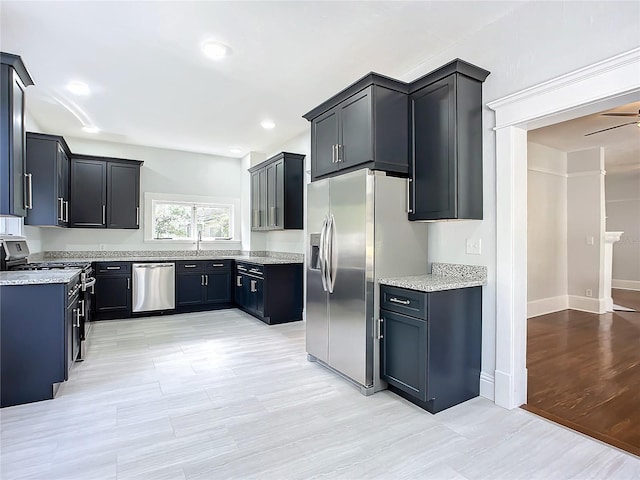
point(113, 290)
point(203, 284)
point(431, 345)
point(36, 348)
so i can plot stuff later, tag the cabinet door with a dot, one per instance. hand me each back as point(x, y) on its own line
point(62, 174)
point(113, 293)
point(238, 289)
point(404, 353)
point(356, 128)
point(88, 193)
point(255, 201)
point(324, 137)
point(433, 168)
point(275, 195)
point(255, 294)
point(218, 287)
point(14, 194)
point(262, 179)
point(189, 288)
point(123, 196)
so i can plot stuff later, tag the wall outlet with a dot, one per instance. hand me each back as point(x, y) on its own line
point(590, 240)
point(474, 246)
point(102, 246)
point(589, 292)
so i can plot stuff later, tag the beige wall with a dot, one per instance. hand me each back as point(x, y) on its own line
point(546, 223)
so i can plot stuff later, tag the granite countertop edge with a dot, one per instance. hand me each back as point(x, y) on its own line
point(38, 277)
point(444, 276)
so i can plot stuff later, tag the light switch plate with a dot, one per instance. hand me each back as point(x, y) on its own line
point(474, 246)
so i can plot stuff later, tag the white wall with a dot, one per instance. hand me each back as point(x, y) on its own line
point(546, 225)
point(585, 222)
point(164, 171)
point(536, 42)
point(623, 215)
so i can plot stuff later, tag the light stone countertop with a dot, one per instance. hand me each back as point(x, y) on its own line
point(177, 258)
point(38, 277)
point(444, 276)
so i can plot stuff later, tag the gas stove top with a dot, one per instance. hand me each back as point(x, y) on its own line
point(52, 266)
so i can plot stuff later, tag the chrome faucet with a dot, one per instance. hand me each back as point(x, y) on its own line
point(199, 240)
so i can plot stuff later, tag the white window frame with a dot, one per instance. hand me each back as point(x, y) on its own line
point(151, 198)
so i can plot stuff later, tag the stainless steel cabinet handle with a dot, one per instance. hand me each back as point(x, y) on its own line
point(240, 267)
point(190, 266)
point(137, 216)
point(83, 312)
point(113, 268)
point(333, 154)
point(61, 208)
point(409, 209)
point(253, 286)
point(338, 159)
point(202, 280)
point(256, 270)
point(401, 302)
point(128, 284)
point(104, 214)
point(29, 200)
point(206, 280)
point(380, 335)
point(76, 314)
point(218, 265)
point(66, 211)
point(238, 280)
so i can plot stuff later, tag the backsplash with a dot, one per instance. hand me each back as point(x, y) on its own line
point(51, 255)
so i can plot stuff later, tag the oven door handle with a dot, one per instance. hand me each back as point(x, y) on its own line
point(90, 282)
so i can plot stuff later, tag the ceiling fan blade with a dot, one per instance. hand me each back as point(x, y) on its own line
point(610, 128)
point(621, 114)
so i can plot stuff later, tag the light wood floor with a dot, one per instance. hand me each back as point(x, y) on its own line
point(220, 395)
point(584, 372)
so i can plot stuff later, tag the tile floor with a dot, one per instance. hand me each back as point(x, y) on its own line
point(219, 395)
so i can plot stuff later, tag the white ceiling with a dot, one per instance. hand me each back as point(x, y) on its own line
point(622, 145)
point(152, 86)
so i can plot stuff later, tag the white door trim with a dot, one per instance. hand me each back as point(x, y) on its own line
point(598, 87)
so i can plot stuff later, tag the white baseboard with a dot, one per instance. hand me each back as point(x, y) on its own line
point(587, 304)
point(547, 305)
point(626, 284)
point(487, 386)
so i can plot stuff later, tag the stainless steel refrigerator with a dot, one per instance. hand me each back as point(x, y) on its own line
point(357, 233)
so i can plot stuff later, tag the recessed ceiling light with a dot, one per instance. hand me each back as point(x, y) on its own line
point(90, 129)
point(215, 50)
point(235, 150)
point(267, 124)
point(78, 88)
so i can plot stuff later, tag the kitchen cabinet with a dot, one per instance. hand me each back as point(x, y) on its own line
point(446, 138)
point(430, 344)
point(112, 290)
point(203, 283)
point(48, 163)
point(365, 125)
point(15, 194)
point(270, 292)
point(105, 192)
point(277, 186)
point(36, 348)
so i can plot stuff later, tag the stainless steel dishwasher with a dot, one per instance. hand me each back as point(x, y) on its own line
point(154, 287)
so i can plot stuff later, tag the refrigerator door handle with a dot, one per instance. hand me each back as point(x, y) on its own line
point(322, 254)
point(332, 258)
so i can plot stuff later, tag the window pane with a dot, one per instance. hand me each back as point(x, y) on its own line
point(213, 222)
point(172, 221)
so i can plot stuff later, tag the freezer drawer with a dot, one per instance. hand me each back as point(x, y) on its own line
point(154, 287)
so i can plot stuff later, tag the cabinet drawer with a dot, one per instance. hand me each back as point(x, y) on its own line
point(185, 266)
point(401, 300)
point(250, 268)
point(217, 265)
point(105, 268)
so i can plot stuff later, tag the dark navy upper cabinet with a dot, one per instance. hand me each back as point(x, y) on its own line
point(48, 164)
point(105, 192)
point(365, 125)
point(15, 182)
point(446, 139)
point(277, 186)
